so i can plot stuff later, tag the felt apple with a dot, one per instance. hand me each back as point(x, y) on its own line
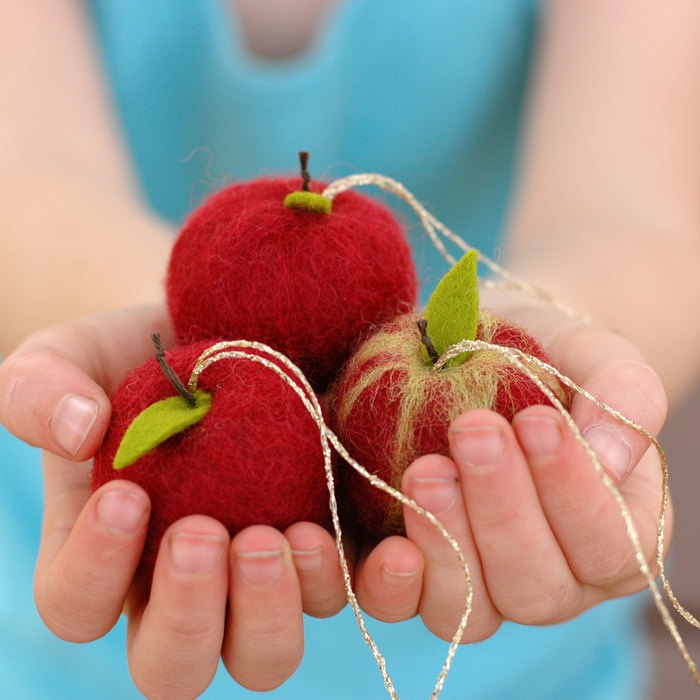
point(394, 404)
point(275, 261)
point(237, 444)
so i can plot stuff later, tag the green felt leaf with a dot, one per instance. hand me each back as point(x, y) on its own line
point(452, 312)
point(160, 421)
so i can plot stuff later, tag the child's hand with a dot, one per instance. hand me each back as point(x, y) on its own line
point(91, 544)
point(543, 537)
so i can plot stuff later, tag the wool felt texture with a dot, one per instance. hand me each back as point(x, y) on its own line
point(254, 458)
point(391, 406)
point(307, 283)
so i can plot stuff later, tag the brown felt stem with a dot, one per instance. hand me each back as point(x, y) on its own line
point(169, 372)
point(425, 339)
point(305, 176)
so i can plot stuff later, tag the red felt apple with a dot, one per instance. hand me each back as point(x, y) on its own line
point(275, 261)
point(241, 447)
point(392, 405)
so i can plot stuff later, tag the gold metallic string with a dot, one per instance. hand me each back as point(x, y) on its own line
point(522, 361)
point(283, 366)
point(292, 375)
point(434, 227)
point(504, 279)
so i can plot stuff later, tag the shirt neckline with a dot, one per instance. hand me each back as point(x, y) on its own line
point(230, 46)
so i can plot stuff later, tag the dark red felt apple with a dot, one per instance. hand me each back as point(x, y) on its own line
point(393, 404)
point(275, 261)
point(242, 448)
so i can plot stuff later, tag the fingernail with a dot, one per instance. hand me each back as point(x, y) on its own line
point(72, 422)
point(477, 447)
point(121, 512)
point(195, 553)
point(611, 448)
point(398, 579)
point(308, 560)
point(540, 436)
point(260, 568)
point(435, 494)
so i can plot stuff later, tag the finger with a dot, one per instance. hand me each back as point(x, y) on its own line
point(54, 388)
point(434, 483)
point(174, 640)
point(264, 636)
point(583, 514)
point(388, 581)
point(316, 560)
point(610, 368)
point(613, 372)
point(90, 548)
point(525, 570)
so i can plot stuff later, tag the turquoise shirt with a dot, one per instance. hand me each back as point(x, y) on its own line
point(427, 93)
point(428, 96)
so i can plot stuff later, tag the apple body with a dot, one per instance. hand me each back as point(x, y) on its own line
point(255, 457)
point(307, 283)
point(391, 406)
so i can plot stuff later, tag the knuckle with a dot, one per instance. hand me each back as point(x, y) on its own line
point(189, 628)
point(266, 668)
point(479, 627)
point(618, 572)
point(12, 372)
point(70, 622)
point(549, 604)
point(156, 684)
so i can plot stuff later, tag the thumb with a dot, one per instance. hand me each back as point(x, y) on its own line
point(613, 372)
point(55, 387)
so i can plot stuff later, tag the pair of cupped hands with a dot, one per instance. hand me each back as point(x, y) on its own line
point(543, 537)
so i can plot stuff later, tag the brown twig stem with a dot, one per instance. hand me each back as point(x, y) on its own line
point(425, 339)
point(305, 176)
point(169, 372)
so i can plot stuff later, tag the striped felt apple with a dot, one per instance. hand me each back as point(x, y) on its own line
point(395, 399)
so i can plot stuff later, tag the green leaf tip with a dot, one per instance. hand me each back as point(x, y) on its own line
point(158, 422)
point(452, 313)
point(309, 201)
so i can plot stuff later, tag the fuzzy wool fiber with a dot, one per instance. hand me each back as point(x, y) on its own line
point(391, 406)
point(309, 284)
point(255, 458)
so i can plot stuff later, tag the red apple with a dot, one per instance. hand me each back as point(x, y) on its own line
point(251, 454)
point(392, 404)
point(299, 273)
